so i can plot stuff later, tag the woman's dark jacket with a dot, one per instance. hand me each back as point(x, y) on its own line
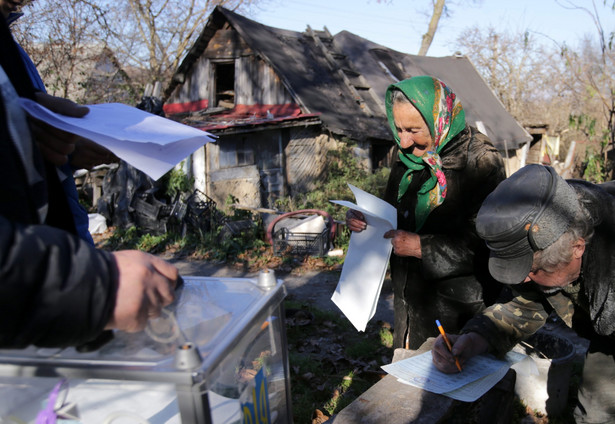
point(55, 289)
point(446, 284)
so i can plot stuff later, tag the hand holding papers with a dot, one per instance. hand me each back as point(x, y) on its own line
point(148, 142)
point(367, 259)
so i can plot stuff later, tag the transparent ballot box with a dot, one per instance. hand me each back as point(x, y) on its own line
point(216, 355)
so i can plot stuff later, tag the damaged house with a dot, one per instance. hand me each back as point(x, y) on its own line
point(279, 100)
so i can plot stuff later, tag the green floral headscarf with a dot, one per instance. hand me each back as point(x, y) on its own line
point(445, 118)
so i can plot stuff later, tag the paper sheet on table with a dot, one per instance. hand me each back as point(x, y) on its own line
point(479, 374)
point(472, 391)
point(366, 262)
point(148, 142)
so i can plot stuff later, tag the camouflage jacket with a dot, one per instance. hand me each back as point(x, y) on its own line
point(587, 305)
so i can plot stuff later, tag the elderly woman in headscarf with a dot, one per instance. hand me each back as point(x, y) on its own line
point(445, 170)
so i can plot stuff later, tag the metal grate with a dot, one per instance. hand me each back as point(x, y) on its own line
point(286, 242)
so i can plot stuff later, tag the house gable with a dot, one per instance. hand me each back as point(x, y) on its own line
point(272, 93)
point(229, 78)
point(276, 69)
point(342, 78)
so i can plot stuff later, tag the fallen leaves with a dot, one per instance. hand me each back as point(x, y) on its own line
point(331, 363)
point(318, 417)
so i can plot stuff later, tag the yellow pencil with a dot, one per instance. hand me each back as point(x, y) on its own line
point(448, 343)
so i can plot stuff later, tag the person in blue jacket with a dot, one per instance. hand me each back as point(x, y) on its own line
point(96, 154)
point(56, 289)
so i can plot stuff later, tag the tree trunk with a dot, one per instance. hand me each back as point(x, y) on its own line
point(438, 7)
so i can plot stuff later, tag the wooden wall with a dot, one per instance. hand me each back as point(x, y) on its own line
point(287, 162)
point(255, 81)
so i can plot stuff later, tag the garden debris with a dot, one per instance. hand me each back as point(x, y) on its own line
point(130, 198)
point(234, 228)
point(298, 317)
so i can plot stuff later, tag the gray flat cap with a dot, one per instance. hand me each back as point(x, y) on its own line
point(526, 213)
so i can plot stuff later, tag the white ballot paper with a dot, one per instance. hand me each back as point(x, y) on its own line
point(479, 374)
point(148, 142)
point(367, 259)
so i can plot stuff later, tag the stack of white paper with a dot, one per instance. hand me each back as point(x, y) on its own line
point(367, 259)
point(479, 374)
point(148, 142)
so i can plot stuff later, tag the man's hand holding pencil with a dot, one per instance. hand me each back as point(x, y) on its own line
point(463, 347)
point(448, 344)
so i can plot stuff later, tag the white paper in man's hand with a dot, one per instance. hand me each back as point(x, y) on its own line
point(148, 142)
point(367, 259)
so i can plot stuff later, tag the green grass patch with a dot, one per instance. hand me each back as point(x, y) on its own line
point(331, 362)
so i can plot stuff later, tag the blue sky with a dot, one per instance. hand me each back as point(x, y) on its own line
point(399, 24)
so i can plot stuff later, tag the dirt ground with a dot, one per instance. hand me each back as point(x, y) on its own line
point(313, 286)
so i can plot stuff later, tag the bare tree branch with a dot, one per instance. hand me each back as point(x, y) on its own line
point(438, 8)
point(147, 38)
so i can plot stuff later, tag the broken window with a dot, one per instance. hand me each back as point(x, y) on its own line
point(236, 153)
point(224, 80)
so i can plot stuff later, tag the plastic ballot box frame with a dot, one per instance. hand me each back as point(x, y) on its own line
point(219, 351)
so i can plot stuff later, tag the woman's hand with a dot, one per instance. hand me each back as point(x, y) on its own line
point(405, 243)
point(355, 221)
point(465, 346)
